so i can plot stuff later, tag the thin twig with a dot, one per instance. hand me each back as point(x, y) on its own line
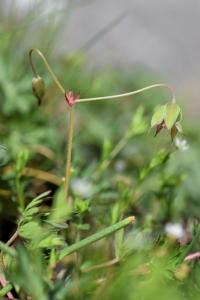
point(13, 238)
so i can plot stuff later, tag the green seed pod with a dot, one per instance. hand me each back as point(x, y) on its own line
point(38, 87)
point(173, 113)
point(158, 116)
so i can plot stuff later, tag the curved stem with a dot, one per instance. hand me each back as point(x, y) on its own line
point(55, 78)
point(153, 86)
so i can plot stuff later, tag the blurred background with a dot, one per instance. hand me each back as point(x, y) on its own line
point(161, 37)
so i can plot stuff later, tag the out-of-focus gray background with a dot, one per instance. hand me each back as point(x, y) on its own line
point(162, 35)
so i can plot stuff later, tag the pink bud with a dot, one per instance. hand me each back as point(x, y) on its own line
point(70, 98)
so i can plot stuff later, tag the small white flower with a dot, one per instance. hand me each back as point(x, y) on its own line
point(81, 187)
point(120, 165)
point(181, 144)
point(175, 230)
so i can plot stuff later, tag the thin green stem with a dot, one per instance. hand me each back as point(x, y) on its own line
point(20, 192)
point(69, 149)
point(153, 86)
point(96, 237)
point(55, 78)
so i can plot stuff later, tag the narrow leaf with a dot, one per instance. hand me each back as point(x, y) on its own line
point(97, 236)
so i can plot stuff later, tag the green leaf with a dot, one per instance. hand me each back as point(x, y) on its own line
point(60, 211)
point(32, 209)
point(31, 231)
point(173, 111)
point(96, 237)
point(50, 241)
point(158, 115)
point(36, 201)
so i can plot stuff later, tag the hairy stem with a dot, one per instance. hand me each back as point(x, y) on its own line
point(96, 237)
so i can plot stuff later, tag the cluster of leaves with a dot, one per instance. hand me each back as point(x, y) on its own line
point(118, 170)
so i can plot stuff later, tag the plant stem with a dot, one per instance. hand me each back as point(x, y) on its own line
point(69, 149)
point(13, 238)
point(20, 192)
point(153, 86)
point(97, 236)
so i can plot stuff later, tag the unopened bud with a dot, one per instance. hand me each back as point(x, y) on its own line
point(38, 87)
point(173, 114)
point(167, 117)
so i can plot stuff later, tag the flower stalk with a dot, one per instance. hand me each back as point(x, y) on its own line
point(139, 91)
point(69, 149)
